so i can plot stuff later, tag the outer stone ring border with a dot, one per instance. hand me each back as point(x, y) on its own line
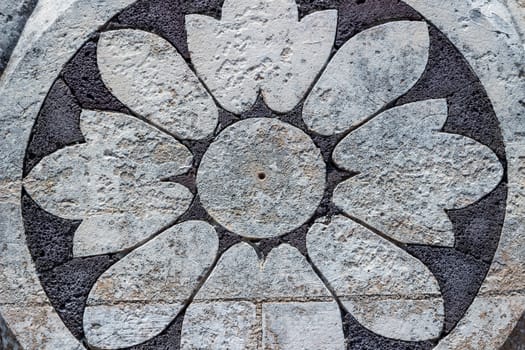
point(56, 30)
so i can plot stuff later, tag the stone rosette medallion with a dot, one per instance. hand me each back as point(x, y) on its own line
point(268, 174)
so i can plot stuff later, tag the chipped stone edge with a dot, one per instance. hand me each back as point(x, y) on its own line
point(57, 29)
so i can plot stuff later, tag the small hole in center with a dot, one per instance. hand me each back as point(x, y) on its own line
point(261, 176)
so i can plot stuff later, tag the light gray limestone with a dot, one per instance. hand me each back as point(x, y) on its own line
point(113, 182)
point(488, 322)
point(369, 71)
point(280, 296)
point(404, 319)
point(149, 76)
point(140, 295)
point(119, 326)
point(358, 262)
point(302, 326)
point(241, 274)
point(39, 327)
point(55, 31)
point(13, 16)
point(261, 178)
point(410, 172)
point(220, 325)
point(260, 46)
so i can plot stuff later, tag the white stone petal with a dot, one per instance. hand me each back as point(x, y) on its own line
point(260, 46)
point(282, 296)
point(302, 326)
point(357, 82)
point(300, 62)
point(112, 182)
point(141, 294)
point(225, 74)
point(148, 75)
point(409, 320)
point(362, 267)
point(240, 274)
point(413, 174)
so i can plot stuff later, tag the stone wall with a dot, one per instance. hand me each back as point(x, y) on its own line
point(15, 14)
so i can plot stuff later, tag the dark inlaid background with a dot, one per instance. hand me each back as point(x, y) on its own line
point(459, 270)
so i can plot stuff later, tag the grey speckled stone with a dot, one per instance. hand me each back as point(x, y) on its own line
point(486, 33)
point(260, 46)
point(403, 319)
point(140, 295)
point(13, 16)
point(358, 82)
point(240, 274)
point(410, 173)
point(291, 302)
point(221, 325)
point(112, 182)
point(302, 326)
point(358, 263)
point(148, 75)
point(7, 339)
point(261, 178)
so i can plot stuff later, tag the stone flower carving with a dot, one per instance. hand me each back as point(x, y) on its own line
point(262, 178)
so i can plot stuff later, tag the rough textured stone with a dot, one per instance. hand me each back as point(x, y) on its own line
point(260, 46)
point(139, 296)
point(241, 274)
point(220, 325)
point(357, 262)
point(302, 326)
point(413, 174)
point(54, 38)
point(357, 83)
point(41, 328)
point(146, 73)
point(13, 16)
point(290, 298)
point(261, 178)
point(57, 125)
point(459, 276)
point(516, 340)
point(7, 339)
point(82, 76)
point(409, 320)
point(118, 171)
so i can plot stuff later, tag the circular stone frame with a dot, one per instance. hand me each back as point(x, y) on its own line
point(49, 42)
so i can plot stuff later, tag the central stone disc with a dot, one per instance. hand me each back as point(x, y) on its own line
point(261, 178)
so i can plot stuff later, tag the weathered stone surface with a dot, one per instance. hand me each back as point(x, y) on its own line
point(497, 59)
point(404, 319)
point(261, 178)
point(241, 274)
point(357, 262)
point(39, 327)
point(357, 83)
point(140, 295)
point(302, 326)
point(260, 46)
point(118, 326)
point(284, 289)
point(479, 330)
point(220, 325)
point(113, 182)
point(13, 16)
point(148, 75)
point(410, 173)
